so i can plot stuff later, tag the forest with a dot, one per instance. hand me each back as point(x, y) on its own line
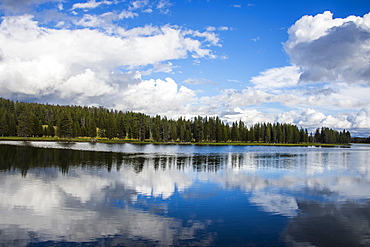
point(45, 120)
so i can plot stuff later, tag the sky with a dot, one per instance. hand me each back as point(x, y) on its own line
point(300, 62)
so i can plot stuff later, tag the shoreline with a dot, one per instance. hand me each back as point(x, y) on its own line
point(121, 141)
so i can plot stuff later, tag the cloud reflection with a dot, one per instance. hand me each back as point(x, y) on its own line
point(53, 210)
point(101, 194)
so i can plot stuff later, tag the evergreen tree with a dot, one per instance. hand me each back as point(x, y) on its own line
point(50, 130)
point(65, 125)
point(4, 128)
point(91, 128)
point(25, 123)
point(37, 129)
point(268, 133)
point(27, 119)
point(121, 126)
point(110, 127)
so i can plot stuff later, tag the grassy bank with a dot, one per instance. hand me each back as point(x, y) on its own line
point(104, 140)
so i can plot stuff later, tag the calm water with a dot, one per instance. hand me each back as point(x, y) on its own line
point(84, 194)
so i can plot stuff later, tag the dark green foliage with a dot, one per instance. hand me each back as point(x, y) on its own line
point(4, 128)
point(91, 128)
point(360, 139)
point(50, 130)
point(65, 125)
point(27, 119)
point(326, 135)
point(26, 124)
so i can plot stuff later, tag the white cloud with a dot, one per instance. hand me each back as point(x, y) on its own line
point(307, 118)
point(78, 64)
point(231, 98)
point(91, 4)
point(220, 28)
point(277, 78)
point(210, 29)
point(160, 67)
point(85, 85)
point(163, 5)
point(223, 28)
point(331, 50)
point(311, 119)
point(140, 4)
point(233, 80)
point(249, 116)
point(89, 65)
point(157, 97)
point(327, 83)
point(145, 31)
point(362, 119)
point(33, 77)
point(105, 21)
point(147, 6)
point(198, 81)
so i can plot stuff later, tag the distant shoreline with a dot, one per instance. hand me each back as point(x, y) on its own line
point(122, 141)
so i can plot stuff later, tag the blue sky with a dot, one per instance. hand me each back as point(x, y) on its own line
point(302, 62)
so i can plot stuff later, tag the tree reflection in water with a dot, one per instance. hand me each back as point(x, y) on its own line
point(292, 196)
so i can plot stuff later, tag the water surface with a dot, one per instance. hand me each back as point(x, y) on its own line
point(83, 194)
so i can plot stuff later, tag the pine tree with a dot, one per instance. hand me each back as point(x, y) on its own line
point(25, 123)
point(91, 128)
point(4, 128)
point(50, 130)
point(268, 133)
point(65, 125)
point(110, 127)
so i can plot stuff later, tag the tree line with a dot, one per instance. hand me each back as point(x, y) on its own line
point(38, 120)
point(361, 140)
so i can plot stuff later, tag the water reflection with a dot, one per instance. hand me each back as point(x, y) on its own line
point(330, 224)
point(302, 196)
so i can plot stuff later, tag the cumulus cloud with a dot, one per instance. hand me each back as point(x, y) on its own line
point(85, 85)
point(327, 83)
point(308, 118)
point(331, 49)
point(38, 61)
point(163, 97)
point(361, 119)
point(99, 62)
point(249, 116)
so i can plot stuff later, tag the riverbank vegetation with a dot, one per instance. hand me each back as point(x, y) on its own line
point(53, 122)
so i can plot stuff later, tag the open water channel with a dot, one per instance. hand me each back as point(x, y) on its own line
point(84, 194)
